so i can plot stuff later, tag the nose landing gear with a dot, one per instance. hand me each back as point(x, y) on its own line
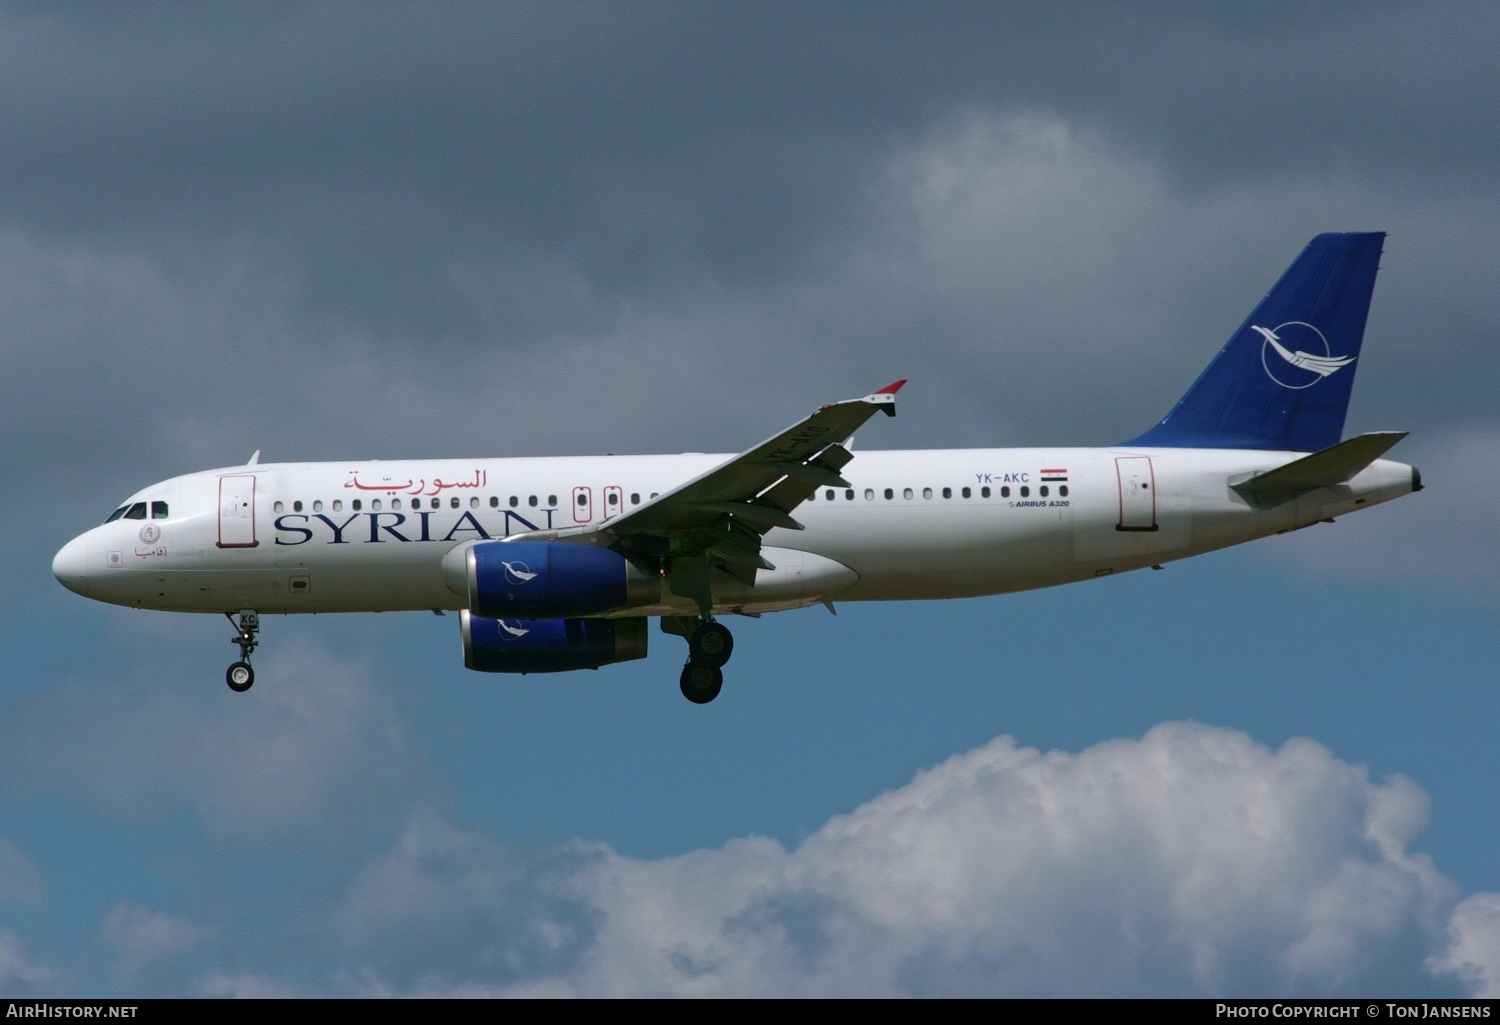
point(240, 676)
point(709, 647)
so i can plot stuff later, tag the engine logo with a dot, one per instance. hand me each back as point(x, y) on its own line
point(517, 572)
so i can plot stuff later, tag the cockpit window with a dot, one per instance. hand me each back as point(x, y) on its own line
point(117, 514)
point(136, 512)
point(158, 510)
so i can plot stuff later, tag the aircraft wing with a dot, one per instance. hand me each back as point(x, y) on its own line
point(717, 520)
point(722, 514)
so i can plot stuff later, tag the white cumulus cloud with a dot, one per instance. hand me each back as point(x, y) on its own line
point(1474, 948)
point(1193, 861)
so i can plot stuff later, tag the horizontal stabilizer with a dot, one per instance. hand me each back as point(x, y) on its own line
point(1336, 465)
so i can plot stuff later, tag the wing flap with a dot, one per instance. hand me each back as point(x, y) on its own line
point(748, 487)
point(795, 489)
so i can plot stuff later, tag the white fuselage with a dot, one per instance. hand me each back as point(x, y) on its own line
point(372, 536)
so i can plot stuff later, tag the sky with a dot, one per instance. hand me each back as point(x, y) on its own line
point(350, 231)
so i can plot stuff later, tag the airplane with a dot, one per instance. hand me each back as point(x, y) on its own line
point(558, 564)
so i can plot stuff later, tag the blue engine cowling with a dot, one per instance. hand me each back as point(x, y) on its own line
point(551, 580)
point(549, 645)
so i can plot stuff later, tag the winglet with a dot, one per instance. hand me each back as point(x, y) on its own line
point(885, 398)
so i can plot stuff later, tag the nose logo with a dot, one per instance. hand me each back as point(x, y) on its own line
point(150, 534)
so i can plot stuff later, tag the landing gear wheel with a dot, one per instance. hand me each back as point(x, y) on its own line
point(710, 645)
point(239, 677)
point(701, 683)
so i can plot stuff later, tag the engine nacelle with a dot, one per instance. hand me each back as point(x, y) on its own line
point(549, 645)
point(550, 580)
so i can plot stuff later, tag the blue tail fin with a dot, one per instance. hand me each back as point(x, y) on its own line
point(1283, 381)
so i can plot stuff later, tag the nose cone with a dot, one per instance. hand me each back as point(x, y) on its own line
point(70, 566)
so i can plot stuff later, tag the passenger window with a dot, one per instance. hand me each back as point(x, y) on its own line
point(515, 500)
point(395, 503)
point(1042, 491)
point(635, 498)
point(984, 492)
point(889, 494)
point(582, 500)
point(296, 507)
point(828, 496)
point(375, 503)
point(1025, 491)
point(277, 506)
point(614, 498)
point(869, 494)
point(531, 501)
point(551, 499)
point(966, 492)
point(356, 505)
point(338, 505)
point(136, 512)
point(318, 505)
point(947, 492)
point(926, 492)
point(494, 501)
point(906, 494)
point(473, 501)
point(158, 510)
point(1005, 491)
point(1063, 490)
point(453, 502)
point(849, 494)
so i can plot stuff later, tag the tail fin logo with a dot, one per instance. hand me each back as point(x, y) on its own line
point(1295, 367)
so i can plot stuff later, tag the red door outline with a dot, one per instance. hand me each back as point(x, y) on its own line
point(237, 511)
point(1137, 493)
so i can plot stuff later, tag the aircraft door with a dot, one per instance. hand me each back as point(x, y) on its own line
point(237, 511)
point(1137, 493)
point(583, 505)
point(613, 501)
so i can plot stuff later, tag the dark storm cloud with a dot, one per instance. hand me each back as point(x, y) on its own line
point(332, 231)
point(364, 151)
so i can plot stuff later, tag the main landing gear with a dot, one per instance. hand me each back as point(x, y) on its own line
point(709, 647)
point(240, 676)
